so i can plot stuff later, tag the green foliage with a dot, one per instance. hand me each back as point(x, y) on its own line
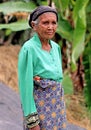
point(87, 65)
point(16, 26)
point(65, 29)
point(79, 10)
point(88, 18)
point(64, 4)
point(74, 34)
point(61, 5)
point(67, 84)
point(79, 16)
point(11, 7)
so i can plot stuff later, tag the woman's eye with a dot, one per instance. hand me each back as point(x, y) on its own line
point(54, 22)
point(45, 23)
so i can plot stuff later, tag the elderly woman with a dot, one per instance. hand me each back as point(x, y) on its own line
point(40, 74)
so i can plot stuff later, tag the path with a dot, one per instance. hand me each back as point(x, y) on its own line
point(11, 113)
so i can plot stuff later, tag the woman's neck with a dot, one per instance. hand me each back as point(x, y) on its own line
point(45, 44)
point(44, 41)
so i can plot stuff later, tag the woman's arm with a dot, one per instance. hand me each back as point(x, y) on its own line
point(25, 77)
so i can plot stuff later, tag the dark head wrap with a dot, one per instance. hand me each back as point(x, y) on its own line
point(40, 10)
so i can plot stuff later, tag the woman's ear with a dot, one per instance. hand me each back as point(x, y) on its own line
point(33, 25)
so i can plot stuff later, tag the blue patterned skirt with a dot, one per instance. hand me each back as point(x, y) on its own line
point(49, 100)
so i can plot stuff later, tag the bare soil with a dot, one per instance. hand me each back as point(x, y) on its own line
point(76, 110)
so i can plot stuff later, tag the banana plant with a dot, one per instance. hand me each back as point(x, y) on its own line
point(87, 67)
point(73, 29)
point(11, 7)
point(87, 59)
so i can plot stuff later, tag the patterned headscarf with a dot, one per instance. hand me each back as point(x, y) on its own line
point(40, 10)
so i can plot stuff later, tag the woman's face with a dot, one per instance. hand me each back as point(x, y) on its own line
point(46, 27)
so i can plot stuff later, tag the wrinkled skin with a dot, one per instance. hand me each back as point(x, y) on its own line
point(46, 26)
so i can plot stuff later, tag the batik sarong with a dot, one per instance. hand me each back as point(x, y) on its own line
point(49, 100)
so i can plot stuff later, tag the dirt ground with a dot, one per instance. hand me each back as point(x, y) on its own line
point(76, 110)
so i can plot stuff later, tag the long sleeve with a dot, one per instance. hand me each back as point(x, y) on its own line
point(25, 78)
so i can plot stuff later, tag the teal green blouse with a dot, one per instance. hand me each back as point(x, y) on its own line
point(34, 61)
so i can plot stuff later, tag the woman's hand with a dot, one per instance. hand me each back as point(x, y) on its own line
point(37, 78)
point(35, 128)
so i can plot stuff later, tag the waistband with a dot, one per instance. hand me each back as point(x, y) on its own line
point(44, 83)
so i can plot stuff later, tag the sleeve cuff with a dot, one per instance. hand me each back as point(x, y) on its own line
point(32, 120)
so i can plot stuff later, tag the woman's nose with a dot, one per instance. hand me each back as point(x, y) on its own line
point(50, 26)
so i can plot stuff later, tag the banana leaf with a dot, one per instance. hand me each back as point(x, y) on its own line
point(67, 84)
point(11, 7)
point(88, 18)
point(87, 68)
point(79, 15)
point(61, 5)
point(16, 26)
point(64, 4)
point(65, 29)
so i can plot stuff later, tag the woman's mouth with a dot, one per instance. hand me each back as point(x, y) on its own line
point(50, 33)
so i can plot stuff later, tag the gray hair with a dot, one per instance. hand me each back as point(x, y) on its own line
point(36, 21)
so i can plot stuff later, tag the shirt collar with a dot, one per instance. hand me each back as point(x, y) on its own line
point(38, 42)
